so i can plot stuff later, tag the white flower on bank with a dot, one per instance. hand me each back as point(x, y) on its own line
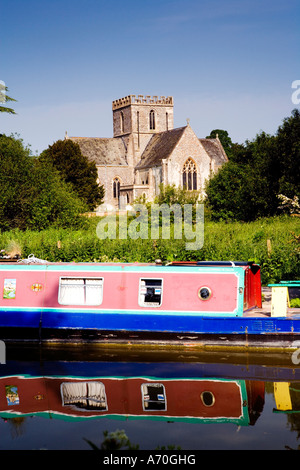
point(288, 204)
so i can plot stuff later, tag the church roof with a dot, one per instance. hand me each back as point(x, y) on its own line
point(160, 146)
point(214, 149)
point(103, 151)
point(112, 151)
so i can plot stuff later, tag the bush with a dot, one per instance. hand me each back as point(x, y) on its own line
point(234, 241)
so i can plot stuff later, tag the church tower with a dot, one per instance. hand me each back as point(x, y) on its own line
point(137, 118)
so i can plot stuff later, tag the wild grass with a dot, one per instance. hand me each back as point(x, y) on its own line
point(272, 242)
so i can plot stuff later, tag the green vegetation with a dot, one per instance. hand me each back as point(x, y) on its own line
point(114, 440)
point(4, 98)
point(248, 186)
point(43, 200)
point(117, 440)
point(74, 168)
point(295, 303)
point(271, 242)
point(32, 193)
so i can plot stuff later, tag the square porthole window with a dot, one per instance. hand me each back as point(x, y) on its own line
point(150, 292)
point(154, 397)
point(80, 291)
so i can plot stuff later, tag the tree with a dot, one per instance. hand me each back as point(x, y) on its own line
point(243, 188)
point(4, 98)
point(53, 201)
point(225, 192)
point(288, 146)
point(32, 193)
point(15, 174)
point(76, 169)
point(247, 187)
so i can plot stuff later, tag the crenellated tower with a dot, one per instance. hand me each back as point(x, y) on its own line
point(137, 118)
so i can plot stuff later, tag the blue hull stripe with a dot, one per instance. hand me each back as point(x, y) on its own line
point(169, 323)
point(97, 312)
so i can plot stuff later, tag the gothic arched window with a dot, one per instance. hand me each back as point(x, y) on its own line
point(116, 188)
point(122, 122)
point(152, 120)
point(189, 175)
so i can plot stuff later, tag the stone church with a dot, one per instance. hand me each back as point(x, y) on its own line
point(146, 150)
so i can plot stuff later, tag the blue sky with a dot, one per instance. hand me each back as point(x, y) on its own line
point(229, 64)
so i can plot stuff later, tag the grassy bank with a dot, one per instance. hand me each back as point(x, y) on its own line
point(272, 243)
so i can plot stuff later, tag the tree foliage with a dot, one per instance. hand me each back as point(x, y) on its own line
point(76, 169)
point(32, 194)
point(170, 194)
point(54, 201)
point(288, 142)
point(247, 187)
point(15, 176)
point(4, 98)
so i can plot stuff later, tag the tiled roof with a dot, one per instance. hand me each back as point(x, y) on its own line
point(109, 151)
point(159, 147)
point(215, 151)
point(112, 151)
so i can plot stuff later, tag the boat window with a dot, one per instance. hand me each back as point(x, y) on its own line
point(84, 395)
point(80, 291)
point(207, 398)
point(150, 292)
point(204, 293)
point(154, 397)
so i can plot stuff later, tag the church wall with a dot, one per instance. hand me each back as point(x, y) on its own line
point(135, 119)
point(141, 192)
point(188, 147)
point(143, 177)
point(117, 121)
point(162, 115)
point(142, 132)
point(156, 180)
point(106, 176)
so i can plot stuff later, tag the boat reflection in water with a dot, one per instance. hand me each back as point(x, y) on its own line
point(188, 387)
point(192, 399)
point(287, 397)
point(166, 388)
point(218, 400)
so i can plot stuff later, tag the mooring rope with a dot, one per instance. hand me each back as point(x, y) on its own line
point(32, 260)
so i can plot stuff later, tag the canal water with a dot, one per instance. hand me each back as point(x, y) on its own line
point(81, 398)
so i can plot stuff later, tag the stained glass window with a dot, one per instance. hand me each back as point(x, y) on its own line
point(189, 175)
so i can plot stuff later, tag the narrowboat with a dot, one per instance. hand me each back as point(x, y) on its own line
point(183, 303)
